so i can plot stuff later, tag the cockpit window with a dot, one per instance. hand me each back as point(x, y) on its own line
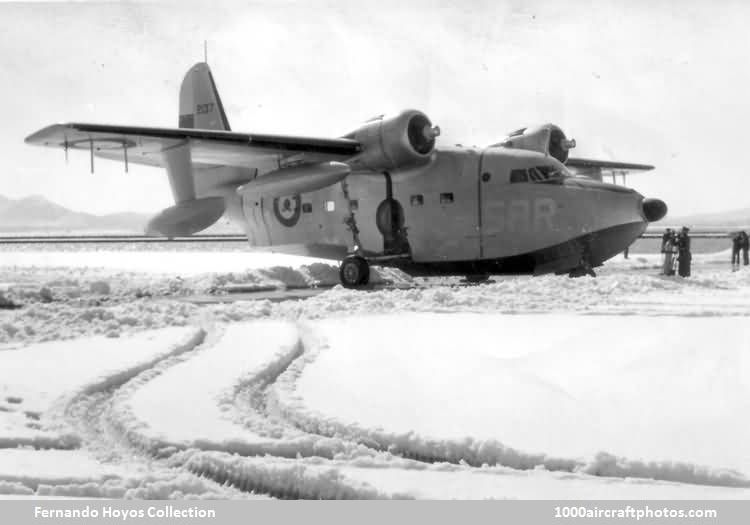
point(537, 174)
point(518, 176)
point(546, 171)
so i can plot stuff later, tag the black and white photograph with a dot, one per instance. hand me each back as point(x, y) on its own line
point(450, 250)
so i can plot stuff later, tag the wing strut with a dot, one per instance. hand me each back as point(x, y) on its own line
point(91, 145)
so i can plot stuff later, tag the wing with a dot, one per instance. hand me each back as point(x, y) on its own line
point(595, 169)
point(605, 165)
point(141, 145)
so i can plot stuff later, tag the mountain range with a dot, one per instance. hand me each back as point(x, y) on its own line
point(38, 215)
point(728, 219)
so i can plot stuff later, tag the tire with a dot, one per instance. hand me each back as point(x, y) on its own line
point(365, 273)
point(477, 278)
point(354, 271)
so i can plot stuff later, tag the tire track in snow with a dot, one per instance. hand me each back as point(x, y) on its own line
point(89, 414)
point(283, 399)
point(261, 471)
point(281, 478)
point(85, 410)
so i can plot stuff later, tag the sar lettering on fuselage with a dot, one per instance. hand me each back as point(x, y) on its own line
point(523, 215)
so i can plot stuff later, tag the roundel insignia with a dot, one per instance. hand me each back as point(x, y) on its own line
point(287, 209)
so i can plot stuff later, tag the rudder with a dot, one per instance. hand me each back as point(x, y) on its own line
point(200, 104)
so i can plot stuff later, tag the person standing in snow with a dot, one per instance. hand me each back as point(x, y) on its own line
point(683, 252)
point(668, 249)
point(667, 237)
point(736, 242)
point(744, 246)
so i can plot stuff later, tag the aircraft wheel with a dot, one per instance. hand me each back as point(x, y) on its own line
point(354, 271)
point(477, 278)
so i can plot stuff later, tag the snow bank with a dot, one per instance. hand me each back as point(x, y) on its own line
point(137, 302)
point(14, 488)
point(608, 465)
point(160, 486)
point(468, 387)
point(135, 259)
point(57, 321)
point(39, 381)
point(281, 478)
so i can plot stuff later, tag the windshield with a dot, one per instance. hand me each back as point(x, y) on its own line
point(538, 174)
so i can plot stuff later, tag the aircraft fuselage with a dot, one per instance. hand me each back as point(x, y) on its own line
point(465, 212)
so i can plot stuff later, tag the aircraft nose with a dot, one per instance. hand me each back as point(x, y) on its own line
point(654, 209)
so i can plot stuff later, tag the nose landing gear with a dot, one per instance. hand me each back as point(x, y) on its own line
point(354, 271)
point(583, 269)
point(584, 263)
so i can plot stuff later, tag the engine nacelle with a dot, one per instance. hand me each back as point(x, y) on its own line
point(548, 139)
point(406, 140)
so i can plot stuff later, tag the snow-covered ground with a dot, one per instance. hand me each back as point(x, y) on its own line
point(560, 390)
point(114, 384)
point(38, 382)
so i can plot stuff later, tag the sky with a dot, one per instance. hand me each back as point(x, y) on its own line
point(656, 82)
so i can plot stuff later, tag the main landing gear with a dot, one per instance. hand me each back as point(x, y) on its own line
point(354, 271)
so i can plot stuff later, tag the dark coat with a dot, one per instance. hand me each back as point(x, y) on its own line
point(683, 243)
point(736, 243)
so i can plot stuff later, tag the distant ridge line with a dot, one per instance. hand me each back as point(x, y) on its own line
point(83, 239)
point(92, 239)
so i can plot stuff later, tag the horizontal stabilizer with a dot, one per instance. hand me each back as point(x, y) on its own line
point(297, 179)
point(187, 217)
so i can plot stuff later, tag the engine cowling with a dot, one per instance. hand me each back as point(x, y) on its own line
point(547, 138)
point(402, 141)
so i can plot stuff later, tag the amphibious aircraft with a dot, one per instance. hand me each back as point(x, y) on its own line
point(383, 194)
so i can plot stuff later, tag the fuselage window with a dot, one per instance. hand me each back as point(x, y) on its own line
point(330, 205)
point(446, 198)
point(417, 200)
point(306, 207)
point(354, 204)
point(518, 176)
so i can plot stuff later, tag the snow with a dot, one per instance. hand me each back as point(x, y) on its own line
point(631, 385)
point(214, 398)
point(392, 478)
point(468, 386)
point(38, 381)
point(183, 262)
point(31, 468)
point(282, 478)
point(469, 484)
point(197, 395)
point(74, 474)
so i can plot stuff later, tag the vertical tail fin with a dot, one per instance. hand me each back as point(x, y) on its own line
point(200, 104)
